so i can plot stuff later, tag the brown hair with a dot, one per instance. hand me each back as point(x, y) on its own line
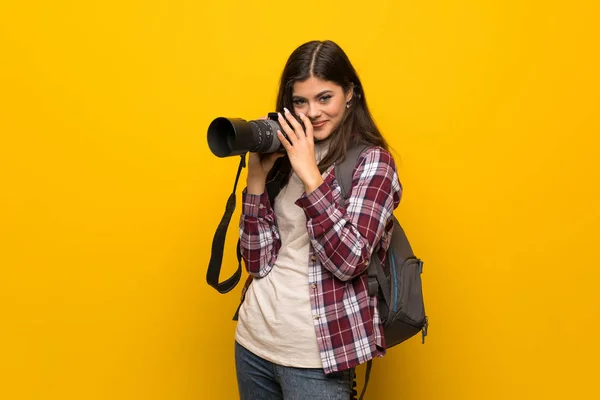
point(327, 61)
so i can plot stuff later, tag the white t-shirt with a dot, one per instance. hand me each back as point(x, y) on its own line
point(275, 320)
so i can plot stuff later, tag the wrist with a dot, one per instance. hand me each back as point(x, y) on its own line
point(312, 183)
point(255, 186)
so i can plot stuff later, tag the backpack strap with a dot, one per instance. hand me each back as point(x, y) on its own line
point(367, 375)
point(344, 173)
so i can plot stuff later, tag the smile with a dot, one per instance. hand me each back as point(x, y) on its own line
point(318, 124)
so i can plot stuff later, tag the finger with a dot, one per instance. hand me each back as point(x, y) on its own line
point(308, 128)
point(286, 128)
point(294, 123)
point(286, 144)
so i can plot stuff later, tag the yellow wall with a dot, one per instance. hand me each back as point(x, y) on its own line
point(109, 196)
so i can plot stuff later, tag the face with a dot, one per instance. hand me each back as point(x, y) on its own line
point(323, 102)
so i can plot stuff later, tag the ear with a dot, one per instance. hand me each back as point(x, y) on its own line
point(350, 92)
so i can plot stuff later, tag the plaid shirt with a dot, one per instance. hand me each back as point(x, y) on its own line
point(342, 239)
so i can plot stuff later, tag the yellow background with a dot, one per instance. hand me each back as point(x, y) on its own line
point(109, 196)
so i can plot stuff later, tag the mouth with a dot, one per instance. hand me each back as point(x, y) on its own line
point(319, 124)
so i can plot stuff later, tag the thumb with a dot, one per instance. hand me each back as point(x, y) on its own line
point(269, 161)
point(275, 156)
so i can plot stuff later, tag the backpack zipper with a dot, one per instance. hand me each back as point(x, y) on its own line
point(395, 281)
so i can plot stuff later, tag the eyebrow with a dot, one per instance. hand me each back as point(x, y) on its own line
point(318, 94)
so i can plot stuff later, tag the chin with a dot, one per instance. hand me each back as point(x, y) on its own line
point(320, 136)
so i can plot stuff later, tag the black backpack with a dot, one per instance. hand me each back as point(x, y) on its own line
point(397, 283)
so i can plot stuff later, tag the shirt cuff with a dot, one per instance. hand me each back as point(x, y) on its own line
point(319, 200)
point(255, 205)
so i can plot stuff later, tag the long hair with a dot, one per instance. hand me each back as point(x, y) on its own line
point(327, 61)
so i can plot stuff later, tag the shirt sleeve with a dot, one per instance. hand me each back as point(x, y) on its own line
point(344, 237)
point(259, 236)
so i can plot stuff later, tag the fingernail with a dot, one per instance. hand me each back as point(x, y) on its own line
point(286, 110)
point(280, 116)
point(301, 115)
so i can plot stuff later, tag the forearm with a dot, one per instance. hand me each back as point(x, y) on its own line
point(259, 236)
point(345, 236)
point(344, 242)
point(255, 185)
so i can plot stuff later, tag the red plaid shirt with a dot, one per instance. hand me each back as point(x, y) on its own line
point(342, 239)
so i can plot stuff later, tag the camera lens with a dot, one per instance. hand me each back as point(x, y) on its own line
point(221, 137)
point(235, 136)
point(265, 134)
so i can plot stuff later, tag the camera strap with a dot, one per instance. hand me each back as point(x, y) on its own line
point(218, 244)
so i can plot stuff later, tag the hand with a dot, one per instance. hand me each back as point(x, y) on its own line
point(259, 166)
point(300, 148)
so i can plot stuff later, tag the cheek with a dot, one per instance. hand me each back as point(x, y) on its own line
point(335, 110)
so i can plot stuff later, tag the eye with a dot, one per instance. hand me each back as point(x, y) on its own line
point(298, 102)
point(325, 99)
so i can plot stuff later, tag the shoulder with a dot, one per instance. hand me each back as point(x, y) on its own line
point(377, 164)
point(376, 157)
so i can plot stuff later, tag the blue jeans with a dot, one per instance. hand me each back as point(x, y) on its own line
point(259, 379)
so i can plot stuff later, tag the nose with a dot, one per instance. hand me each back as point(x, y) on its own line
point(313, 111)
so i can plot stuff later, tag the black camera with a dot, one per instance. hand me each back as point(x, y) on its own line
point(235, 136)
